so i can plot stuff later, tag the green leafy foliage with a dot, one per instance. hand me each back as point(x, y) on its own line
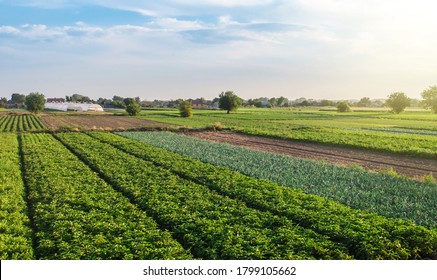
point(186, 109)
point(430, 98)
point(367, 235)
point(383, 194)
point(35, 102)
point(15, 232)
point(326, 127)
point(133, 108)
point(343, 106)
point(19, 123)
point(78, 216)
point(229, 101)
point(212, 225)
point(398, 101)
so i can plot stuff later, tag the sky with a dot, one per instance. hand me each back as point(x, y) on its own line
point(170, 49)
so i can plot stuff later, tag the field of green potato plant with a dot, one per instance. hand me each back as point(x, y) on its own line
point(76, 215)
point(19, 123)
point(15, 232)
point(388, 196)
point(99, 195)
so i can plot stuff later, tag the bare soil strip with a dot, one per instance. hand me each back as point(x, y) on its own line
point(412, 167)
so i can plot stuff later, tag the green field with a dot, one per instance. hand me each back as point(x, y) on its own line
point(410, 133)
point(392, 197)
point(20, 123)
point(159, 195)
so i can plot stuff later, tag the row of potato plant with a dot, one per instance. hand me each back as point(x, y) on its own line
point(367, 235)
point(381, 193)
point(78, 216)
point(13, 123)
point(212, 225)
point(15, 231)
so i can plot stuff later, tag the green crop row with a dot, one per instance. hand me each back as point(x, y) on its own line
point(15, 232)
point(403, 130)
point(331, 128)
point(212, 225)
point(411, 145)
point(388, 196)
point(367, 235)
point(13, 123)
point(78, 216)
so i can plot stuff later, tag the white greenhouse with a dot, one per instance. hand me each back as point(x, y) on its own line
point(77, 107)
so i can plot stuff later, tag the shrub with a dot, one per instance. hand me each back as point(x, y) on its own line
point(186, 109)
point(133, 109)
point(343, 107)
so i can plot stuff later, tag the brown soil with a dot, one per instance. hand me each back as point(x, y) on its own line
point(411, 167)
point(97, 122)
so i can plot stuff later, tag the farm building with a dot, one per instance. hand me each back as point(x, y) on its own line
point(77, 107)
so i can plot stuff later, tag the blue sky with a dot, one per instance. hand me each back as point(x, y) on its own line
point(335, 49)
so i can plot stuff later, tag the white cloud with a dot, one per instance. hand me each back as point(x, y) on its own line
point(226, 3)
point(316, 47)
point(173, 24)
point(9, 30)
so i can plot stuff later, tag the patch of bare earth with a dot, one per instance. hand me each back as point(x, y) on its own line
point(97, 122)
point(412, 167)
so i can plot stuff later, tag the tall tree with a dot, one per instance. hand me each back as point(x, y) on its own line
point(18, 99)
point(3, 102)
point(364, 102)
point(398, 101)
point(35, 102)
point(430, 98)
point(282, 101)
point(229, 101)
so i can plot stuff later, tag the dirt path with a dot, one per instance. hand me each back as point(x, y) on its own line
point(411, 167)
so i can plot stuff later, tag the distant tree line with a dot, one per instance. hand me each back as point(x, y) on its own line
point(229, 101)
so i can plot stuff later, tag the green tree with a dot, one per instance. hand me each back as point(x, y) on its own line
point(398, 101)
point(133, 109)
point(129, 100)
point(364, 102)
point(18, 99)
point(430, 98)
point(186, 109)
point(229, 101)
point(80, 98)
point(343, 106)
point(3, 102)
point(35, 102)
point(282, 101)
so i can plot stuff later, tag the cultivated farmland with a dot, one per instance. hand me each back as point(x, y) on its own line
point(19, 123)
point(388, 196)
point(160, 195)
point(56, 122)
point(370, 130)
